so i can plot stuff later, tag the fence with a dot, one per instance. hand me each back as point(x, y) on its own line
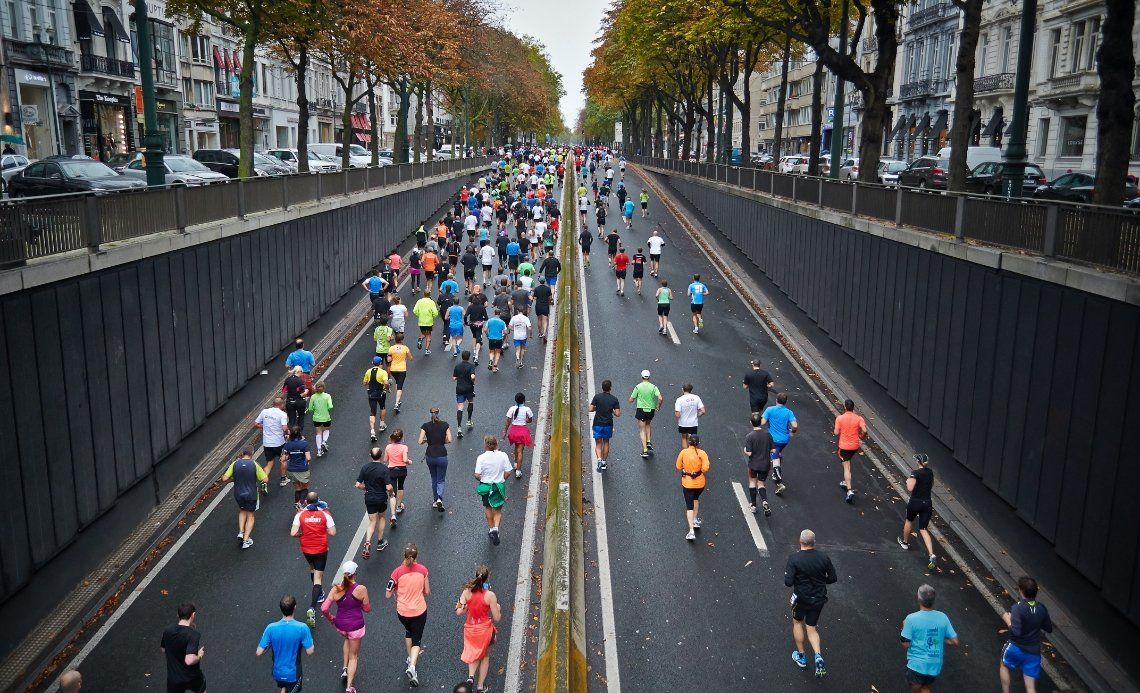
point(1092, 234)
point(41, 226)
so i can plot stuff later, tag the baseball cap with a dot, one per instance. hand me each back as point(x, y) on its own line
point(376, 360)
point(349, 568)
point(645, 373)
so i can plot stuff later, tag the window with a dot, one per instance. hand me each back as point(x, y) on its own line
point(54, 37)
point(110, 40)
point(1042, 136)
point(37, 28)
point(204, 93)
point(1073, 135)
point(1077, 47)
point(1055, 53)
point(1006, 45)
point(188, 89)
point(1136, 137)
point(1093, 37)
point(14, 19)
point(983, 54)
point(200, 49)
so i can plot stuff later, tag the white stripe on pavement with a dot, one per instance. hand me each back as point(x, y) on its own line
point(352, 546)
point(750, 520)
point(673, 333)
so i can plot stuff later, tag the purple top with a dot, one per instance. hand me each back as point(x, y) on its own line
point(349, 612)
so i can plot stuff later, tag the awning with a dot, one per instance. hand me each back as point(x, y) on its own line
point(994, 125)
point(13, 139)
point(116, 26)
point(229, 60)
point(896, 134)
point(364, 137)
point(237, 61)
point(924, 125)
point(940, 123)
point(86, 23)
point(911, 121)
point(219, 61)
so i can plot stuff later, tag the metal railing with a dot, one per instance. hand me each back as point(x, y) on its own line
point(1107, 237)
point(106, 66)
point(1002, 80)
point(36, 227)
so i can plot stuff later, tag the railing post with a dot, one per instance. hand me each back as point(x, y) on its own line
point(960, 217)
point(794, 178)
point(898, 206)
point(820, 192)
point(368, 177)
point(92, 230)
point(772, 183)
point(1049, 248)
point(180, 219)
point(854, 197)
point(345, 174)
point(241, 198)
point(320, 185)
point(285, 193)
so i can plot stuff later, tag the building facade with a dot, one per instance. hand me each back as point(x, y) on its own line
point(924, 77)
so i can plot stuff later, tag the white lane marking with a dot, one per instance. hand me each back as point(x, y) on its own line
point(673, 333)
point(750, 519)
point(143, 584)
point(352, 546)
point(605, 583)
point(521, 614)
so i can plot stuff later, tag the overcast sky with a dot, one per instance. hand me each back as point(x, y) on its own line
point(567, 29)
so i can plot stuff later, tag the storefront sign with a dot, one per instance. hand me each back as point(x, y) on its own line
point(227, 107)
point(106, 99)
point(29, 77)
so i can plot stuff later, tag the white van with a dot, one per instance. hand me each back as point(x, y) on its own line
point(974, 155)
point(358, 157)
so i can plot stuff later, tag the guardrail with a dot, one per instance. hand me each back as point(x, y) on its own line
point(1106, 237)
point(36, 227)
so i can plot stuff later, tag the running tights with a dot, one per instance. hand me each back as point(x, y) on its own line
point(470, 413)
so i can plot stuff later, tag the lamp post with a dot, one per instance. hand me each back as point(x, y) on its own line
point(152, 140)
point(837, 116)
point(1015, 153)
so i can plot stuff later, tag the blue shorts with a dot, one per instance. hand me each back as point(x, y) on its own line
point(461, 397)
point(455, 331)
point(628, 216)
point(1013, 657)
point(779, 449)
point(603, 432)
point(520, 342)
point(552, 281)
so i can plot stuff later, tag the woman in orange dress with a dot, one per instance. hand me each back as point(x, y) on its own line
point(483, 611)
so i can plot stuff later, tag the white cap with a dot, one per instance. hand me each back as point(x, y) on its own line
point(645, 373)
point(349, 568)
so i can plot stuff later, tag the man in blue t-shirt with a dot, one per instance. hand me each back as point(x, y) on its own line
point(513, 250)
point(286, 638)
point(697, 292)
point(782, 425)
point(496, 329)
point(454, 317)
point(374, 284)
point(1027, 620)
point(925, 633)
point(627, 212)
point(300, 357)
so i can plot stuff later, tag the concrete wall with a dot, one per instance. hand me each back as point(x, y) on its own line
point(1034, 386)
point(108, 371)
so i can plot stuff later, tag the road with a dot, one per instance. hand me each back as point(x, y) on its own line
point(713, 614)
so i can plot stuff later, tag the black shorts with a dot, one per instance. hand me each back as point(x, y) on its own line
point(290, 686)
point(317, 560)
point(655, 258)
point(414, 627)
point(662, 308)
point(426, 329)
point(644, 205)
point(585, 250)
point(544, 311)
point(761, 474)
point(916, 679)
point(429, 275)
point(487, 268)
point(375, 403)
point(323, 424)
point(921, 509)
point(807, 613)
point(494, 344)
point(692, 495)
point(846, 455)
point(248, 504)
point(376, 508)
point(513, 261)
point(470, 273)
point(643, 415)
point(399, 377)
point(611, 251)
point(696, 308)
point(273, 453)
point(476, 333)
point(687, 430)
point(197, 686)
point(757, 405)
point(396, 477)
point(620, 274)
point(638, 271)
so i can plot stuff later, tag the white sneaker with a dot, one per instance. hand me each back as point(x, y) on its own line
point(697, 523)
point(691, 536)
point(695, 330)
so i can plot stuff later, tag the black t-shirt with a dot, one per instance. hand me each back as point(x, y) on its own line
point(613, 239)
point(520, 298)
point(542, 294)
point(294, 389)
point(759, 445)
point(469, 262)
point(757, 381)
point(601, 214)
point(179, 641)
point(809, 573)
point(479, 299)
point(586, 239)
point(476, 313)
point(381, 305)
point(551, 266)
point(435, 433)
point(604, 405)
point(638, 262)
point(463, 382)
point(374, 476)
point(457, 228)
point(923, 483)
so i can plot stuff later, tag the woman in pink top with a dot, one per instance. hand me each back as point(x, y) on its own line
point(352, 603)
point(409, 583)
point(396, 455)
point(483, 611)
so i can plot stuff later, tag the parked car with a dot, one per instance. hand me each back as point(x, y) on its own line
point(317, 163)
point(180, 170)
point(1134, 203)
point(358, 157)
point(445, 152)
point(11, 164)
point(735, 157)
point(974, 155)
point(790, 161)
point(925, 172)
point(225, 161)
point(850, 169)
point(119, 161)
point(56, 175)
point(889, 170)
point(1076, 187)
point(989, 178)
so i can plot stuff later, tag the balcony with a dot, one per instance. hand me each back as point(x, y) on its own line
point(97, 64)
point(871, 44)
point(1075, 89)
point(992, 83)
point(41, 53)
point(923, 88)
point(930, 14)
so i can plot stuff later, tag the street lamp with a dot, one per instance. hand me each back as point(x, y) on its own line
point(152, 140)
point(1015, 153)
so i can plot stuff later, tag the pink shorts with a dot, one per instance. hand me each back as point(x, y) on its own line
point(352, 634)
point(519, 435)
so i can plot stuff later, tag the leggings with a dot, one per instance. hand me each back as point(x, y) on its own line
point(437, 467)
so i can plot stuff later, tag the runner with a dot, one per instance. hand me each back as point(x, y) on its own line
point(496, 331)
point(388, 274)
point(274, 425)
point(475, 319)
point(351, 599)
point(313, 525)
point(600, 216)
point(697, 292)
point(514, 250)
point(655, 243)
point(296, 452)
point(604, 406)
point(516, 430)
point(491, 470)
point(383, 335)
point(543, 299)
point(585, 240)
point(409, 583)
point(850, 429)
point(470, 262)
point(644, 198)
point(919, 484)
point(320, 406)
point(638, 269)
point(808, 572)
point(1027, 620)
point(376, 381)
point(620, 263)
point(627, 209)
point(647, 399)
point(448, 291)
point(664, 297)
point(286, 638)
point(455, 316)
point(486, 258)
point(426, 313)
point(396, 455)
point(464, 376)
point(925, 633)
point(296, 393)
point(381, 305)
point(693, 463)
point(373, 480)
point(430, 263)
point(182, 646)
point(613, 241)
point(583, 203)
point(374, 285)
point(247, 476)
point(399, 314)
point(757, 382)
point(782, 425)
point(550, 267)
point(520, 332)
point(415, 263)
point(758, 450)
point(300, 357)
point(436, 434)
point(421, 235)
point(483, 612)
point(399, 355)
point(687, 409)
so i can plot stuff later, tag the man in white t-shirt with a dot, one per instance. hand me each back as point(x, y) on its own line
point(491, 470)
point(274, 425)
point(487, 260)
point(655, 242)
point(688, 409)
point(520, 331)
point(470, 223)
point(399, 313)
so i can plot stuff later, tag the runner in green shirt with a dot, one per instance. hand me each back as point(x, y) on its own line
point(383, 335)
point(647, 399)
point(644, 197)
point(664, 298)
point(426, 312)
point(320, 406)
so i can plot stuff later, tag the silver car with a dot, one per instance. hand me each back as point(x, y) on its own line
point(317, 163)
point(180, 170)
point(889, 170)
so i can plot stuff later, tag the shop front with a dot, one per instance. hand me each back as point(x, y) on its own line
point(228, 127)
point(107, 126)
point(261, 129)
point(167, 112)
point(37, 114)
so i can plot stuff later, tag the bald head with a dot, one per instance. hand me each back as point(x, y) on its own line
point(71, 681)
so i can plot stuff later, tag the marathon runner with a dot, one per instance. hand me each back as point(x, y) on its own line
point(321, 406)
point(605, 407)
point(396, 456)
point(655, 243)
point(687, 409)
point(919, 507)
point(585, 239)
point(296, 451)
point(351, 599)
point(491, 470)
point(757, 382)
point(464, 376)
point(516, 430)
point(646, 398)
point(436, 434)
point(399, 355)
point(286, 639)
point(496, 332)
point(409, 584)
point(520, 332)
point(758, 451)
point(1027, 620)
point(850, 428)
point(782, 425)
point(399, 313)
point(697, 292)
point(247, 477)
point(482, 610)
point(620, 263)
point(313, 525)
point(693, 463)
point(638, 269)
point(376, 381)
point(274, 425)
point(475, 318)
point(613, 240)
point(373, 480)
point(808, 572)
point(426, 312)
point(664, 299)
point(543, 298)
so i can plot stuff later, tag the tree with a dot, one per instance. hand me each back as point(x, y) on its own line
point(964, 90)
point(293, 29)
point(1116, 107)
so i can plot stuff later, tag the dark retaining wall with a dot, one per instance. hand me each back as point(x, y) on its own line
point(1035, 387)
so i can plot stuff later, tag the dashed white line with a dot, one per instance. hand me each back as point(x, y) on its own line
point(750, 520)
point(673, 333)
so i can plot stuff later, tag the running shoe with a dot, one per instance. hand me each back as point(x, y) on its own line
point(311, 617)
point(820, 671)
point(344, 677)
point(470, 424)
point(396, 410)
point(767, 509)
point(518, 473)
point(490, 366)
point(474, 362)
point(799, 659)
point(413, 680)
point(366, 552)
point(283, 482)
point(495, 537)
point(752, 509)
point(695, 330)
point(383, 427)
point(438, 505)
point(459, 432)
point(691, 536)
point(427, 352)
point(601, 466)
point(319, 453)
point(455, 353)
point(645, 454)
point(649, 446)
point(373, 436)
point(780, 488)
point(241, 537)
point(905, 546)
point(383, 544)
point(264, 486)
point(393, 521)
point(519, 365)
point(420, 343)
point(325, 448)
point(696, 523)
point(249, 542)
point(930, 564)
point(843, 485)
point(850, 497)
point(400, 508)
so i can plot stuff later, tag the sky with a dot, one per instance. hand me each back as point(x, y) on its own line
point(567, 29)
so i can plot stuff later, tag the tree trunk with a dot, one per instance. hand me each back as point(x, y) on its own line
point(745, 106)
point(346, 119)
point(710, 122)
point(690, 121)
point(816, 119)
point(373, 135)
point(1115, 109)
point(782, 101)
point(400, 143)
point(964, 91)
point(658, 141)
point(430, 144)
point(419, 139)
point(302, 68)
point(245, 101)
